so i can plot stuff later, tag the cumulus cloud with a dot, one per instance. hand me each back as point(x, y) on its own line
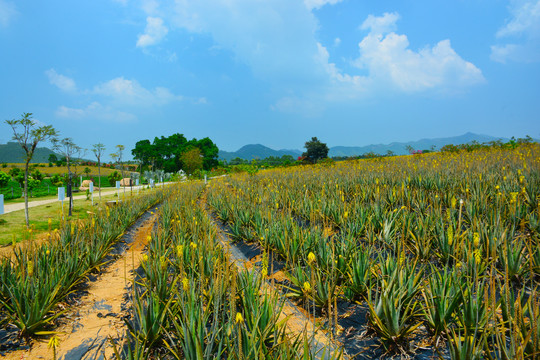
point(317, 4)
point(523, 33)
point(276, 39)
point(64, 83)
point(7, 12)
point(154, 32)
point(130, 92)
point(388, 58)
point(96, 111)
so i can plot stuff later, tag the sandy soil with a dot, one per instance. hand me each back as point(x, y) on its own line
point(88, 328)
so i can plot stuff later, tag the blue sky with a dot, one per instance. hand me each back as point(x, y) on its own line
point(275, 72)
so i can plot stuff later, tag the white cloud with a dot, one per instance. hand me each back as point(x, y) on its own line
point(317, 4)
point(523, 30)
point(7, 12)
point(276, 39)
point(388, 59)
point(96, 111)
point(337, 41)
point(154, 32)
point(130, 92)
point(64, 83)
point(381, 24)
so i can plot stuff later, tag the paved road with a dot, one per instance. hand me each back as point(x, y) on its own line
point(20, 206)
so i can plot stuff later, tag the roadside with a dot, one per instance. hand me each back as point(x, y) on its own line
point(20, 206)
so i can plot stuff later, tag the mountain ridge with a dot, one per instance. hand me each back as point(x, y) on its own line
point(259, 151)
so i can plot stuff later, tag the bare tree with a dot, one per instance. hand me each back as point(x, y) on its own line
point(72, 153)
point(29, 135)
point(98, 150)
point(118, 156)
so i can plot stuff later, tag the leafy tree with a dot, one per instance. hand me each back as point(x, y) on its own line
point(166, 152)
point(87, 171)
point(192, 160)
point(315, 150)
point(4, 179)
point(98, 150)
point(114, 177)
point(14, 172)
point(72, 153)
point(37, 175)
point(29, 135)
point(53, 158)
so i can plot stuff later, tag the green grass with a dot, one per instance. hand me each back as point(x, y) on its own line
point(12, 225)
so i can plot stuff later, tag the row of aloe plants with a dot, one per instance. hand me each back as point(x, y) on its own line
point(192, 302)
point(450, 242)
point(37, 278)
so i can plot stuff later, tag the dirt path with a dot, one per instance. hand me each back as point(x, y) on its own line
point(86, 331)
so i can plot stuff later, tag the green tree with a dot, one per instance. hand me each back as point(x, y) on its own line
point(117, 156)
point(53, 158)
point(99, 150)
point(192, 160)
point(37, 175)
point(114, 177)
point(87, 171)
point(29, 135)
point(315, 150)
point(4, 179)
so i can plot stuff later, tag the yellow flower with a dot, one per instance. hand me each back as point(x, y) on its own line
point(179, 250)
point(239, 318)
point(477, 256)
point(193, 245)
point(346, 215)
point(311, 257)
point(307, 287)
point(145, 257)
point(30, 268)
point(149, 238)
point(476, 239)
point(185, 284)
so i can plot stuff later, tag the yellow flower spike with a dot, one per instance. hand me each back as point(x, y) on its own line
point(311, 258)
point(476, 239)
point(30, 268)
point(145, 258)
point(193, 245)
point(179, 250)
point(239, 319)
point(53, 343)
point(346, 215)
point(48, 252)
point(307, 287)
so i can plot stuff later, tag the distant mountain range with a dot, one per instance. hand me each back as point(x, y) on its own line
point(258, 151)
point(13, 153)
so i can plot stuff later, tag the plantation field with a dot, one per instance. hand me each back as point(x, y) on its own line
point(423, 256)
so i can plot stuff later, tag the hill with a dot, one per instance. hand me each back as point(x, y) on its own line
point(400, 148)
point(256, 151)
point(13, 153)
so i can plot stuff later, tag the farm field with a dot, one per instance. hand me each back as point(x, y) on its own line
point(423, 256)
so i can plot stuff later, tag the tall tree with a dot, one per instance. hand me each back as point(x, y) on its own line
point(29, 135)
point(72, 153)
point(192, 160)
point(315, 150)
point(98, 150)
